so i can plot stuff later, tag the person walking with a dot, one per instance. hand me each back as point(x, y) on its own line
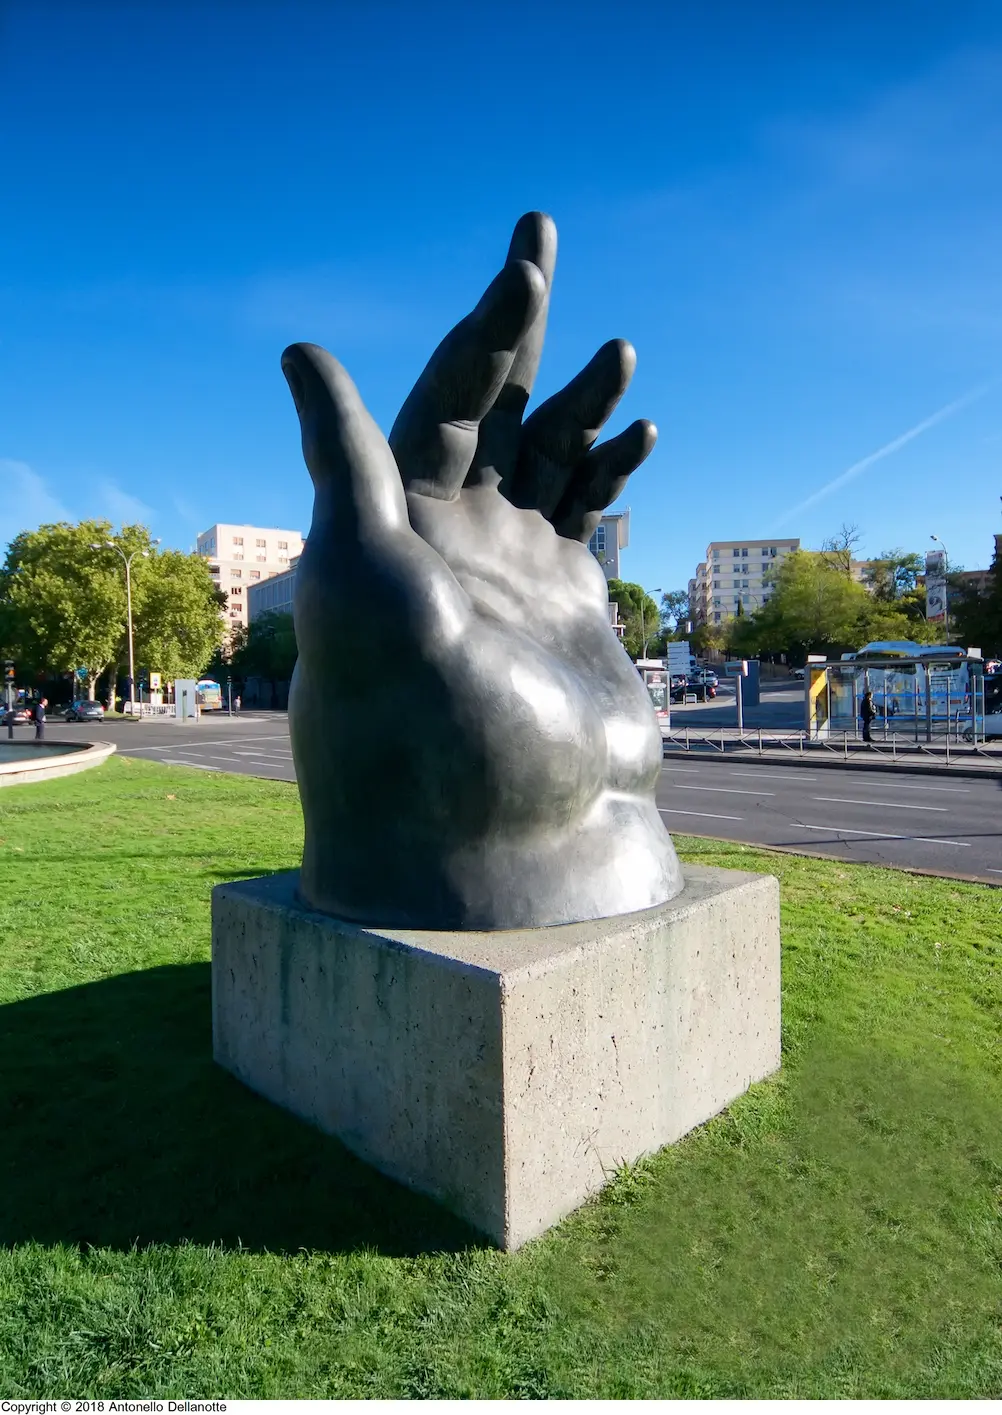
point(40, 707)
point(867, 712)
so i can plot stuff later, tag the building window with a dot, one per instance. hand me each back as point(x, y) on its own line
point(236, 589)
point(716, 619)
point(745, 552)
point(283, 560)
point(238, 540)
point(716, 584)
point(744, 584)
point(736, 554)
point(261, 557)
point(772, 550)
point(260, 544)
point(255, 574)
point(238, 555)
point(283, 545)
point(237, 574)
point(213, 569)
point(235, 614)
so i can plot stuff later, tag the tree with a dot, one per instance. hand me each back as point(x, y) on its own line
point(839, 550)
point(176, 615)
point(893, 574)
point(707, 637)
point(674, 612)
point(63, 603)
point(976, 619)
point(266, 649)
point(639, 614)
point(814, 607)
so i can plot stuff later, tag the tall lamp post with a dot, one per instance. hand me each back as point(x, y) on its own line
point(946, 590)
point(643, 635)
point(127, 560)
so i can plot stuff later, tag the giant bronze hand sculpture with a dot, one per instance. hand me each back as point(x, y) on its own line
point(473, 747)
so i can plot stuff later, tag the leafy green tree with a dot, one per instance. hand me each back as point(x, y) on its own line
point(893, 575)
point(640, 615)
point(976, 619)
point(177, 615)
point(674, 612)
point(62, 606)
point(266, 649)
point(814, 608)
point(63, 603)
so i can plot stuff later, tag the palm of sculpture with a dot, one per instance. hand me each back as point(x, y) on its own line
point(500, 774)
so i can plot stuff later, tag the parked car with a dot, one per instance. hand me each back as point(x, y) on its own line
point(17, 716)
point(706, 675)
point(85, 711)
point(701, 686)
point(799, 673)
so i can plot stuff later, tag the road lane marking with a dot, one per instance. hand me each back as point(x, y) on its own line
point(955, 790)
point(883, 835)
point(683, 770)
point(775, 775)
point(730, 790)
point(212, 742)
point(703, 815)
point(896, 805)
point(196, 766)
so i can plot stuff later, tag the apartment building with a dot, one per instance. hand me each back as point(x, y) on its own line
point(272, 596)
point(735, 572)
point(610, 536)
point(242, 556)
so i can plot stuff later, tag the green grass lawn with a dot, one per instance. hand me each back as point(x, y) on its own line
point(163, 1232)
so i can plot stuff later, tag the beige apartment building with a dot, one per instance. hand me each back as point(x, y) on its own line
point(734, 572)
point(242, 556)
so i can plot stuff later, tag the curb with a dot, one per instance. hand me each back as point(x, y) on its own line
point(812, 759)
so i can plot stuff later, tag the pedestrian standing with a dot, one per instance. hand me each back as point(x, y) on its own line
point(867, 712)
point(236, 703)
point(40, 707)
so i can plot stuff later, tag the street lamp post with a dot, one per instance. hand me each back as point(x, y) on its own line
point(646, 637)
point(127, 561)
point(946, 588)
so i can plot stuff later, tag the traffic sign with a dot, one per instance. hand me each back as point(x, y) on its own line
point(81, 674)
point(737, 668)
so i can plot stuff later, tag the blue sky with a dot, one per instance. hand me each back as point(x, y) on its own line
point(793, 211)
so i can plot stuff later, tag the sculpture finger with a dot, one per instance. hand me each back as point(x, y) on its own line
point(434, 438)
point(535, 240)
point(354, 474)
point(600, 478)
point(561, 430)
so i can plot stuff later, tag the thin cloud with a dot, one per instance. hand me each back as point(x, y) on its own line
point(857, 468)
point(26, 502)
point(122, 507)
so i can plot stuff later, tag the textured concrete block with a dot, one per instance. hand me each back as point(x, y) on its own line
point(505, 1074)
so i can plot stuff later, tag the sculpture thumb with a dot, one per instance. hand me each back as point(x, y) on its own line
point(354, 473)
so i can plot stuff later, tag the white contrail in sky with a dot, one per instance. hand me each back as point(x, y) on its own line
point(851, 472)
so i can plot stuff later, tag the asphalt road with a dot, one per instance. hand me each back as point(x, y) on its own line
point(947, 825)
point(950, 825)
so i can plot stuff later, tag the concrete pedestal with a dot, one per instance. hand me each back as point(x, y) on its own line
point(504, 1074)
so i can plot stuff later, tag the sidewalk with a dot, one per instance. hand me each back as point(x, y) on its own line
point(917, 759)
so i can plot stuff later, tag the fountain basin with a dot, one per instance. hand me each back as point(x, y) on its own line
point(21, 763)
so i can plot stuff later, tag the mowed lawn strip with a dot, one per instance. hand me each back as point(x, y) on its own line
point(165, 1233)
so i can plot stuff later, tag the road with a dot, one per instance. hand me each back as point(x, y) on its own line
point(946, 825)
point(950, 825)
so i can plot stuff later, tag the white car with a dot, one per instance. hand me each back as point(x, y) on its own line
point(989, 726)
